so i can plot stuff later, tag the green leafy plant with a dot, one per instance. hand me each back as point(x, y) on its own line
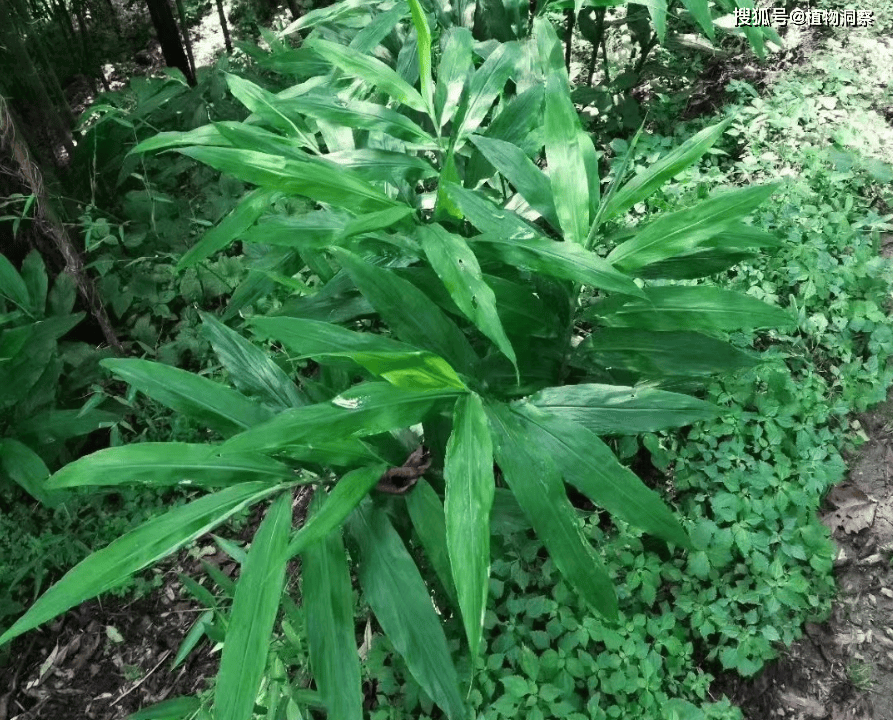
point(34, 428)
point(458, 269)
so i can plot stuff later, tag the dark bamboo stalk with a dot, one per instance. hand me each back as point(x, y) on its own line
point(184, 32)
point(223, 26)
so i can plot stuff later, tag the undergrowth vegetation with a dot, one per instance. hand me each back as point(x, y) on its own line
point(426, 294)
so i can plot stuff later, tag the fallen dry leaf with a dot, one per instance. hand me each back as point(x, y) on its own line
point(854, 510)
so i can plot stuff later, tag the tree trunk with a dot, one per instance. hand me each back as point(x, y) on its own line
point(169, 37)
point(28, 75)
point(50, 223)
point(224, 27)
point(184, 28)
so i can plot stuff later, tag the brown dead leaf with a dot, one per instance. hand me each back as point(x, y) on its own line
point(808, 706)
point(854, 510)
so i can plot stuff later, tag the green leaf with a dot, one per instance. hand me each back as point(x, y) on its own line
point(168, 463)
point(701, 307)
point(423, 42)
point(468, 471)
point(693, 265)
point(255, 604)
point(562, 260)
point(453, 73)
point(562, 134)
point(618, 410)
point(486, 83)
point(486, 216)
point(700, 11)
point(536, 483)
point(316, 180)
point(62, 295)
point(34, 275)
point(400, 364)
point(239, 219)
point(588, 464)
point(413, 317)
point(685, 230)
point(192, 639)
point(343, 498)
point(264, 105)
point(218, 406)
point(458, 268)
point(204, 135)
point(650, 179)
point(141, 547)
point(366, 409)
point(657, 9)
point(359, 115)
point(12, 287)
point(370, 70)
point(427, 515)
point(23, 466)
point(250, 368)
point(514, 165)
point(328, 607)
point(664, 354)
point(173, 709)
point(397, 595)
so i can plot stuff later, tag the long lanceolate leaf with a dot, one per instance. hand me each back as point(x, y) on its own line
point(370, 70)
point(618, 410)
point(561, 260)
point(514, 165)
point(537, 485)
point(395, 591)
point(468, 470)
point(674, 162)
point(359, 115)
point(242, 217)
point(150, 542)
point(588, 464)
point(251, 369)
point(455, 67)
point(423, 35)
point(328, 607)
point(409, 312)
point(664, 355)
point(315, 180)
point(685, 230)
point(400, 364)
point(458, 268)
point(168, 463)
point(255, 604)
point(704, 308)
point(486, 83)
point(222, 408)
point(344, 497)
point(366, 409)
point(563, 140)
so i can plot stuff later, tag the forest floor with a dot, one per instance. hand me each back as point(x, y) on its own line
point(843, 668)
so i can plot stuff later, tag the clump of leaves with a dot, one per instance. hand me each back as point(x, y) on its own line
point(468, 263)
